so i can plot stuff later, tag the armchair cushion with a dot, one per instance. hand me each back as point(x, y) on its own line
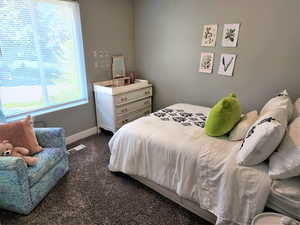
point(48, 158)
point(51, 137)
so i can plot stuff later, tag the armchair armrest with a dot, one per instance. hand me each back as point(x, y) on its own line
point(51, 137)
point(13, 163)
point(14, 185)
point(13, 166)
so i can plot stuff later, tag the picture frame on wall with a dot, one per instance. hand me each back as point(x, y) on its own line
point(209, 35)
point(206, 62)
point(230, 35)
point(227, 64)
point(118, 66)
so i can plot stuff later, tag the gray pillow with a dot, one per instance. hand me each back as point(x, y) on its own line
point(240, 130)
point(297, 108)
point(281, 101)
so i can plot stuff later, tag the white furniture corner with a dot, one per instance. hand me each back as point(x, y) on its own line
point(269, 219)
point(116, 106)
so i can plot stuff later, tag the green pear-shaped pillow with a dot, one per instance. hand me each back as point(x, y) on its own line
point(223, 116)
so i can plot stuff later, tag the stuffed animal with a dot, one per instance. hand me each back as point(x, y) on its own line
point(7, 149)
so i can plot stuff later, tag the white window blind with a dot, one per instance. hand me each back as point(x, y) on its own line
point(41, 56)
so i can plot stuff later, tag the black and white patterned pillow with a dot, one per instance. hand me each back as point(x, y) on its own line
point(261, 139)
point(252, 129)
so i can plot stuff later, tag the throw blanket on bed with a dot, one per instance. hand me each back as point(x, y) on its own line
point(169, 147)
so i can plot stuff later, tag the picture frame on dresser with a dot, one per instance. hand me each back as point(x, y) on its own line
point(118, 67)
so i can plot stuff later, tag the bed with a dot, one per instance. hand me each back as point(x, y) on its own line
point(169, 152)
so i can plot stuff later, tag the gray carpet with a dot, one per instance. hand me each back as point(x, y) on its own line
point(91, 195)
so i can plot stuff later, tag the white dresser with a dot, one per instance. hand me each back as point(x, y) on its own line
point(116, 106)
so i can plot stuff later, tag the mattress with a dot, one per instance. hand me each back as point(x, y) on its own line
point(170, 148)
point(285, 197)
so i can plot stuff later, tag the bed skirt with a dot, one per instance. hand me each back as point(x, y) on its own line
point(187, 204)
point(190, 205)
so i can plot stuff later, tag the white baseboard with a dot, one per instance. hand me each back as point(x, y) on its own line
point(81, 135)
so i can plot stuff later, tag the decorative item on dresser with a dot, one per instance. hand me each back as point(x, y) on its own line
point(118, 66)
point(116, 106)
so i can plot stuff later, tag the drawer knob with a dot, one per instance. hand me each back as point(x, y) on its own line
point(147, 92)
point(123, 99)
point(125, 121)
point(146, 102)
point(124, 110)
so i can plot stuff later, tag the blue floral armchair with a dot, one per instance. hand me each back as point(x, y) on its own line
point(22, 187)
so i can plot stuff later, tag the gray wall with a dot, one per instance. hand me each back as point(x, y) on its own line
point(168, 37)
point(161, 39)
point(106, 25)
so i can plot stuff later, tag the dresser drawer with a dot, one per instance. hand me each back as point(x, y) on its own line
point(131, 107)
point(132, 116)
point(132, 96)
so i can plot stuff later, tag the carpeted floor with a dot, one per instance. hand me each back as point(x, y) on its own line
point(91, 195)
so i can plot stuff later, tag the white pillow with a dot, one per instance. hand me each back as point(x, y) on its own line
point(282, 101)
point(240, 130)
point(297, 108)
point(262, 138)
point(285, 162)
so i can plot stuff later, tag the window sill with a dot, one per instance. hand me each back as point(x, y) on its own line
point(47, 110)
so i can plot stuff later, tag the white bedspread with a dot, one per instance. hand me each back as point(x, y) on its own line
point(176, 154)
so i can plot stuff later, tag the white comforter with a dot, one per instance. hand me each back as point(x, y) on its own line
point(171, 149)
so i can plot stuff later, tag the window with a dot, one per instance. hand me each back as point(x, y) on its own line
point(41, 56)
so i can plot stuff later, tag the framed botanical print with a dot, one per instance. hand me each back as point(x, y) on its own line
point(230, 35)
point(206, 62)
point(209, 36)
point(227, 63)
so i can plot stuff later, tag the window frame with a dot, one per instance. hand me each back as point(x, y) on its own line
point(81, 68)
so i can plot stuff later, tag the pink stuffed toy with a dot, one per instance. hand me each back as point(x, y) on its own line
point(7, 149)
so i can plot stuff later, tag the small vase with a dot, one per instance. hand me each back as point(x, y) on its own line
point(132, 77)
